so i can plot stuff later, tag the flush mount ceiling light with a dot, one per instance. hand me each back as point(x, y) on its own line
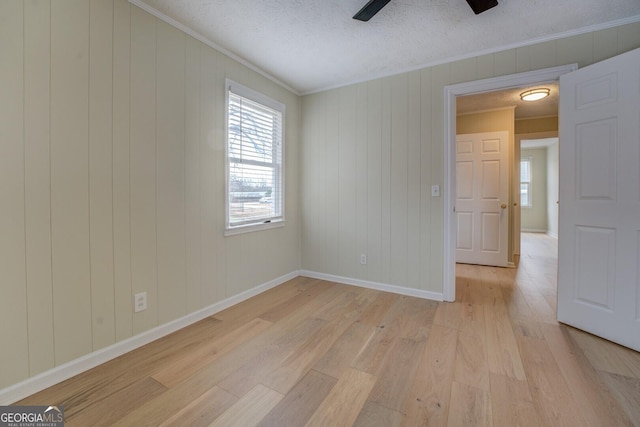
point(534, 94)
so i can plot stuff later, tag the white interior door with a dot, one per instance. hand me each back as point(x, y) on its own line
point(599, 244)
point(482, 196)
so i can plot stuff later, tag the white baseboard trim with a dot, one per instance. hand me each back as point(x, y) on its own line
point(554, 235)
point(436, 296)
point(77, 366)
point(533, 230)
point(63, 372)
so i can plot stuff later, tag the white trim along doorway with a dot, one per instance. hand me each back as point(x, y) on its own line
point(450, 94)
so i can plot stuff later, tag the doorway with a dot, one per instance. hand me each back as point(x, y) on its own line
point(451, 92)
point(539, 183)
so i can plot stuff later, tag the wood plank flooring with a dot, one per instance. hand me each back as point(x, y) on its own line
point(316, 353)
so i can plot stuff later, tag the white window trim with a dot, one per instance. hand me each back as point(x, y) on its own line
point(255, 96)
point(530, 193)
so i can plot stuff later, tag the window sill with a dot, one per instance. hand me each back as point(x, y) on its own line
point(241, 229)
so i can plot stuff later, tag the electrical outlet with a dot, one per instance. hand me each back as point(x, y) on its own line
point(140, 302)
point(435, 191)
point(363, 259)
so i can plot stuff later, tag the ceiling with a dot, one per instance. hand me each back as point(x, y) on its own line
point(537, 143)
point(511, 98)
point(312, 45)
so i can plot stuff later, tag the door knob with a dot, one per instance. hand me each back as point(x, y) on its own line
point(503, 206)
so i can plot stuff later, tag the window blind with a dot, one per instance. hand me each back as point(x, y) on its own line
point(254, 161)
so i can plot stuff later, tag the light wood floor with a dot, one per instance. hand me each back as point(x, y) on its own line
point(316, 353)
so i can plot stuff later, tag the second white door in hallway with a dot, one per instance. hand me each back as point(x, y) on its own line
point(482, 195)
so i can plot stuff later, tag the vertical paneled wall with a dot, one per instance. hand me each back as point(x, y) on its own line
point(372, 151)
point(14, 364)
point(364, 190)
point(112, 180)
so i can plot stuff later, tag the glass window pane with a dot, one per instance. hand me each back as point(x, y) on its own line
point(524, 194)
point(525, 170)
point(250, 192)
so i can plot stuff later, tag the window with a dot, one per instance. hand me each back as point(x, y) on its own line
point(254, 152)
point(525, 182)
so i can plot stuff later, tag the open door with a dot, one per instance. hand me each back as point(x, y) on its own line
point(599, 231)
point(482, 195)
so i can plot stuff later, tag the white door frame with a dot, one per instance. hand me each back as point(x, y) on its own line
point(450, 94)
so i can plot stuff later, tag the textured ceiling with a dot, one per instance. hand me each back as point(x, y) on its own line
point(312, 45)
